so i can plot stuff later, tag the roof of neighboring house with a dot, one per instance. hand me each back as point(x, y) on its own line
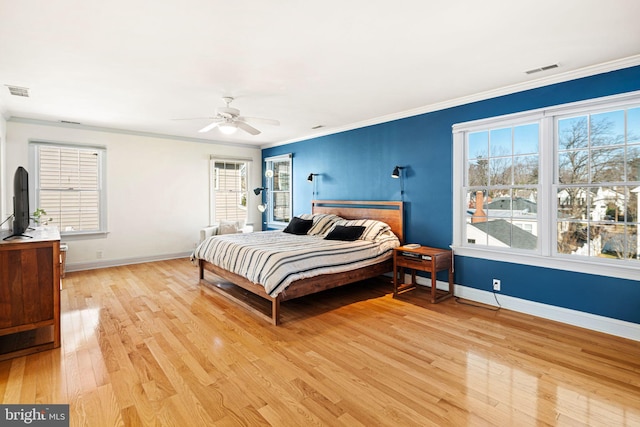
point(519, 204)
point(508, 234)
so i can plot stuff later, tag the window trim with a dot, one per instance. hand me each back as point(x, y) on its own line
point(34, 178)
point(546, 256)
point(270, 222)
point(212, 190)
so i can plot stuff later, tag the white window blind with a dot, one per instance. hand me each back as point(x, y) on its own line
point(229, 184)
point(69, 187)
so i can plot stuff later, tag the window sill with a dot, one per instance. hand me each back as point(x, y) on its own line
point(611, 268)
point(81, 235)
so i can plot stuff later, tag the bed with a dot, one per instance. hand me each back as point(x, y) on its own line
point(305, 283)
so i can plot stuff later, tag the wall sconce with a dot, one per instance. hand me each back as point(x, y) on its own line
point(262, 207)
point(397, 173)
point(314, 182)
point(257, 191)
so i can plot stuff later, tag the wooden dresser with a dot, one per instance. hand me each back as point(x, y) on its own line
point(29, 292)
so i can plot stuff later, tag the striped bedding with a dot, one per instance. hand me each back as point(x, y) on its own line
point(274, 259)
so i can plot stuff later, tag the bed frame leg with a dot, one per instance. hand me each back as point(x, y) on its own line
point(275, 311)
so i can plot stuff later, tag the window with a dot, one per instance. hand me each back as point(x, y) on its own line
point(598, 170)
point(278, 175)
point(229, 190)
point(69, 186)
point(502, 186)
point(556, 187)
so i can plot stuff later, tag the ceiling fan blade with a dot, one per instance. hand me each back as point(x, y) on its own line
point(259, 120)
point(208, 127)
point(247, 128)
point(197, 118)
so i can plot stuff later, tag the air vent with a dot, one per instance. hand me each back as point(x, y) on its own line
point(18, 91)
point(545, 68)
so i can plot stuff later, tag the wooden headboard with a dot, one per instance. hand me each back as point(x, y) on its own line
point(390, 212)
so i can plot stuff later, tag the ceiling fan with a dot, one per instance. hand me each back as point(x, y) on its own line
point(229, 120)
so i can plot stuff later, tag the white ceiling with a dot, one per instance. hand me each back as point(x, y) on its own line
point(138, 65)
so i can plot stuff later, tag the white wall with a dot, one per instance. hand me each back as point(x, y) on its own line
point(157, 191)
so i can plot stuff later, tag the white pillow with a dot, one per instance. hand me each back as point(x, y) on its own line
point(228, 227)
point(372, 228)
point(321, 223)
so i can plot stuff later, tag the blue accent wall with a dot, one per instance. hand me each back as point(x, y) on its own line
point(357, 164)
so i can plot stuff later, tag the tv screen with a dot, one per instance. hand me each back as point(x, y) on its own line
point(20, 201)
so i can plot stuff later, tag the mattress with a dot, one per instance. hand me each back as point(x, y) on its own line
point(274, 259)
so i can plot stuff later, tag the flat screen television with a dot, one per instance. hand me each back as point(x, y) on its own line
point(20, 201)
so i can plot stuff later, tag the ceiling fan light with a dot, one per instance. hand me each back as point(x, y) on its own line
point(228, 128)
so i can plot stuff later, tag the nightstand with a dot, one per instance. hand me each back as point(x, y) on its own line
point(424, 258)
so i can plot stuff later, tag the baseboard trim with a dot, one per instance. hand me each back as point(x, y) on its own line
point(607, 325)
point(94, 265)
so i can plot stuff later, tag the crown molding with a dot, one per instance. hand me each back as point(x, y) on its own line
point(592, 70)
point(125, 132)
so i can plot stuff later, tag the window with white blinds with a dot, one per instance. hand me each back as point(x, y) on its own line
point(68, 184)
point(229, 190)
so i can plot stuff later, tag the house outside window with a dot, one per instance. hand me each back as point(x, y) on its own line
point(69, 186)
point(502, 186)
point(278, 195)
point(229, 190)
point(598, 170)
point(556, 187)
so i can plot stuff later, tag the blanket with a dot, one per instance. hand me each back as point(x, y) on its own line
point(274, 259)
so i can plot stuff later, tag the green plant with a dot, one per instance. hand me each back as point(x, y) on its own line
point(37, 215)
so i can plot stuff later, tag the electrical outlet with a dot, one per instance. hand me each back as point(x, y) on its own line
point(99, 254)
point(496, 285)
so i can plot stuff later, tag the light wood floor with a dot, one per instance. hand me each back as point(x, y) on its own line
point(146, 345)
